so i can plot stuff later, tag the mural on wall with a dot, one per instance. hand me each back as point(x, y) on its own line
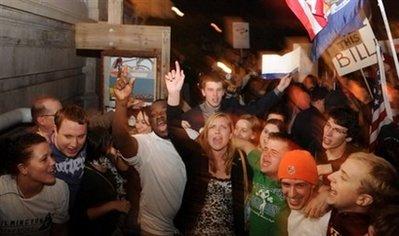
point(141, 69)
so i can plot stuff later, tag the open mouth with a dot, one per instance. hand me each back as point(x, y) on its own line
point(161, 124)
point(294, 202)
point(326, 141)
point(332, 192)
point(72, 151)
point(217, 139)
point(266, 163)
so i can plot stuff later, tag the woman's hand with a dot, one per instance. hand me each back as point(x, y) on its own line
point(121, 205)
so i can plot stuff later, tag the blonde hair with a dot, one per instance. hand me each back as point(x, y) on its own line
point(380, 180)
point(203, 141)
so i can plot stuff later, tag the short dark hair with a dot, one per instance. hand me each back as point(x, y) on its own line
point(318, 93)
point(19, 151)
point(99, 140)
point(347, 118)
point(386, 221)
point(73, 113)
point(280, 125)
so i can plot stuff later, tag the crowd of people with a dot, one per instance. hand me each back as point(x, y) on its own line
point(285, 163)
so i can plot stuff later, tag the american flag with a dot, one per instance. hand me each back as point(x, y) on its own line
point(379, 111)
point(310, 13)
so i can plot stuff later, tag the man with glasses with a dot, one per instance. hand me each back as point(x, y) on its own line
point(43, 111)
point(338, 132)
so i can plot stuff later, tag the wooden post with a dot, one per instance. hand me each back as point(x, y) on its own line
point(115, 12)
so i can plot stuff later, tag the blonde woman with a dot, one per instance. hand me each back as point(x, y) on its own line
point(214, 197)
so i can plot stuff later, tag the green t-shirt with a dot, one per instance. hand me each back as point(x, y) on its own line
point(267, 201)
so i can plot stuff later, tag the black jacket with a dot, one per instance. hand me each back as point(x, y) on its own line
point(196, 162)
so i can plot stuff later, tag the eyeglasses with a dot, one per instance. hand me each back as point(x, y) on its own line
point(335, 129)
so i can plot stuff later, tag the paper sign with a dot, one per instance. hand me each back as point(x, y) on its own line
point(354, 51)
point(241, 35)
point(274, 65)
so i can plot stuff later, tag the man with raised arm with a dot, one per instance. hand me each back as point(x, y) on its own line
point(162, 172)
point(213, 88)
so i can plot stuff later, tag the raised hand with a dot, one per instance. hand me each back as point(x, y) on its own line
point(123, 89)
point(174, 80)
point(284, 83)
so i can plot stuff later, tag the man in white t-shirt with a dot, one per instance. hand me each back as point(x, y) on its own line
point(162, 172)
point(35, 215)
point(298, 176)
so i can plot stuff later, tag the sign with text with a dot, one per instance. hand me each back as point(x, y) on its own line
point(241, 35)
point(354, 51)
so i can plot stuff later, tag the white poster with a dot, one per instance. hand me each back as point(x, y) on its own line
point(241, 35)
point(276, 66)
point(354, 51)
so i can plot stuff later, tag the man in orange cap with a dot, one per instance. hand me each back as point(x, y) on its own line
point(298, 176)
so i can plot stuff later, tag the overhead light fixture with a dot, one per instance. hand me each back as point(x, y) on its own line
point(215, 27)
point(177, 11)
point(225, 68)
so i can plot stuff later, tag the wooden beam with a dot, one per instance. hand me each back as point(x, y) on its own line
point(115, 11)
point(104, 36)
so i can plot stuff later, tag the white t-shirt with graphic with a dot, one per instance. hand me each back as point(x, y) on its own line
point(163, 179)
point(35, 215)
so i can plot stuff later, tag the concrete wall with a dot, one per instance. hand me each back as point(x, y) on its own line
point(38, 56)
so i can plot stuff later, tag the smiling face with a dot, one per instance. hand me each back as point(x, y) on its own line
point(243, 129)
point(219, 134)
point(264, 135)
point(213, 93)
point(271, 157)
point(40, 167)
point(70, 137)
point(158, 119)
point(296, 192)
point(142, 123)
point(345, 184)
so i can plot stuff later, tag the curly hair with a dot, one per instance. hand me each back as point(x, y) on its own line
point(19, 151)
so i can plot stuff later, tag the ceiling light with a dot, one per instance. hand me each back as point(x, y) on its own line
point(225, 68)
point(213, 25)
point(177, 11)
